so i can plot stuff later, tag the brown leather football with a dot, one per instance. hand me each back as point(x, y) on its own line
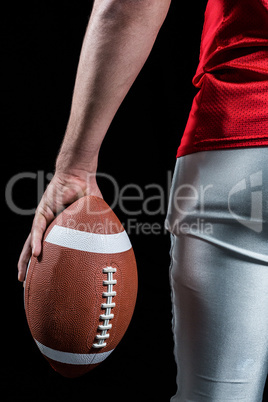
point(80, 293)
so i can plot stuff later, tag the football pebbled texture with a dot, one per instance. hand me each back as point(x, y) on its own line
point(80, 293)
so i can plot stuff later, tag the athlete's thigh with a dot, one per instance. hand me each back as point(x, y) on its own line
point(220, 322)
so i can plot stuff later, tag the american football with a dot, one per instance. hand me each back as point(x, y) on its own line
point(80, 293)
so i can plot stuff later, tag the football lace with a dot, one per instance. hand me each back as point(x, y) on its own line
point(107, 316)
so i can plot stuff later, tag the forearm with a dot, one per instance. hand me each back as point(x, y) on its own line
point(118, 40)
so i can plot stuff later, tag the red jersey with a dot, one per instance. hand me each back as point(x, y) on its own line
point(231, 108)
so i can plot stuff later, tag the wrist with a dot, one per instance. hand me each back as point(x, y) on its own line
point(76, 162)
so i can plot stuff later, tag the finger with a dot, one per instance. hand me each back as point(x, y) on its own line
point(40, 223)
point(24, 259)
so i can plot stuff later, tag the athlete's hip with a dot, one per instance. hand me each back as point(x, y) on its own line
point(222, 195)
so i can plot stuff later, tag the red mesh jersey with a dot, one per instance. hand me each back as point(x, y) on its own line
point(231, 108)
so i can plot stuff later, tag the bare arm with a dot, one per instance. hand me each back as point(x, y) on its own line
point(117, 42)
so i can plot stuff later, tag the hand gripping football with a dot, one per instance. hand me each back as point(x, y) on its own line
point(80, 293)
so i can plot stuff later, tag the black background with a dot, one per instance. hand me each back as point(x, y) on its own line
point(42, 45)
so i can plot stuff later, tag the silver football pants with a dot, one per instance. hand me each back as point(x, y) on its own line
point(218, 219)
